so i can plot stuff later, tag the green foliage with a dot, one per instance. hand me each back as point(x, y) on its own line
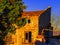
point(11, 29)
point(11, 11)
point(21, 22)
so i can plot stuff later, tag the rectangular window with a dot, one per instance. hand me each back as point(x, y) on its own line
point(26, 36)
point(28, 20)
point(29, 36)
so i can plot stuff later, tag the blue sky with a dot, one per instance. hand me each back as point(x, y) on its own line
point(43, 4)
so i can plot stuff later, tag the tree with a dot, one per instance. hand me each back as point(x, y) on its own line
point(10, 11)
point(55, 21)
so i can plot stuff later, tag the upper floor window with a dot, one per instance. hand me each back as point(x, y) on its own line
point(28, 20)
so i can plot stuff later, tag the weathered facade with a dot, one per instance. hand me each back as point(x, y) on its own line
point(37, 20)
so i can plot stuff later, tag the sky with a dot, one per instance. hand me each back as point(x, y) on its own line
point(33, 5)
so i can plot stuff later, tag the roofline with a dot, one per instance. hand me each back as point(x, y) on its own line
point(49, 7)
point(39, 10)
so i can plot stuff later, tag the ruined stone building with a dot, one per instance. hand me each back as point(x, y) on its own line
point(36, 21)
